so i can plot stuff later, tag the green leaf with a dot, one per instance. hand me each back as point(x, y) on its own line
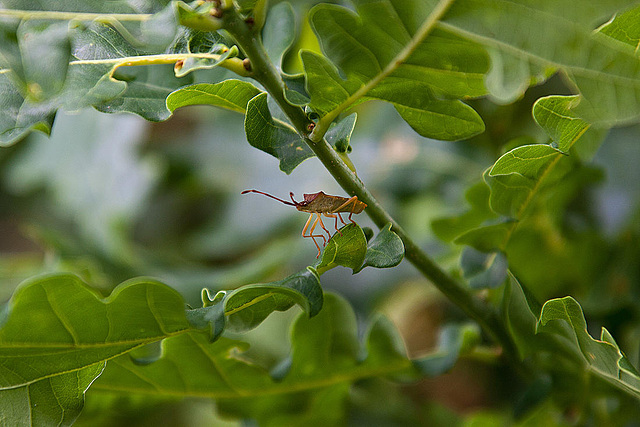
point(367, 46)
point(483, 270)
point(604, 72)
point(554, 115)
point(326, 359)
point(295, 91)
point(56, 400)
point(384, 251)
point(19, 115)
point(231, 94)
point(28, 84)
point(190, 365)
point(477, 196)
point(210, 315)
point(273, 136)
point(97, 60)
point(522, 175)
point(384, 346)
point(279, 32)
point(143, 89)
point(438, 119)
point(563, 317)
point(43, 39)
point(246, 307)
point(203, 50)
point(624, 27)
point(57, 332)
point(511, 75)
point(47, 332)
point(339, 135)
point(520, 315)
point(453, 341)
point(347, 248)
point(198, 18)
point(517, 175)
point(488, 237)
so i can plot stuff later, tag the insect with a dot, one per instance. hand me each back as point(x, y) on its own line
point(318, 204)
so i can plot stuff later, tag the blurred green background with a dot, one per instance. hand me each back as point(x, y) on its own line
point(110, 197)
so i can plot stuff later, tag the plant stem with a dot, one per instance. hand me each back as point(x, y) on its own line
point(68, 16)
point(267, 75)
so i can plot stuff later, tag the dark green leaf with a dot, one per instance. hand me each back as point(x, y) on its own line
point(19, 115)
point(516, 177)
point(295, 91)
point(210, 315)
point(200, 17)
point(385, 251)
point(47, 325)
point(56, 400)
point(364, 46)
point(511, 75)
point(247, 307)
point(326, 358)
point(483, 270)
point(57, 333)
point(27, 85)
point(231, 94)
point(98, 61)
point(439, 119)
point(453, 341)
point(339, 135)
point(477, 197)
point(520, 313)
point(347, 248)
point(605, 72)
point(273, 136)
point(279, 31)
point(563, 317)
point(43, 39)
point(487, 238)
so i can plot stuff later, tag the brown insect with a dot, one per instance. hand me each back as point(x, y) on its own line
point(318, 204)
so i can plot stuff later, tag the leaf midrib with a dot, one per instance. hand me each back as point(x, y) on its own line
point(425, 29)
point(277, 389)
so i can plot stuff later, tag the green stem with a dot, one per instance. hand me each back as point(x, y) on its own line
point(68, 16)
point(266, 74)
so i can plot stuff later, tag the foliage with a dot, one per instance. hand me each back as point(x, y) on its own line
point(542, 99)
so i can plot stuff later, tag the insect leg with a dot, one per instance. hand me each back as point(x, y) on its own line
point(331, 215)
point(324, 239)
point(306, 225)
point(351, 201)
point(323, 227)
point(313, 226)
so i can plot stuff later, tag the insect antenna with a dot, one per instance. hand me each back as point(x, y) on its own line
point(268, 195)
